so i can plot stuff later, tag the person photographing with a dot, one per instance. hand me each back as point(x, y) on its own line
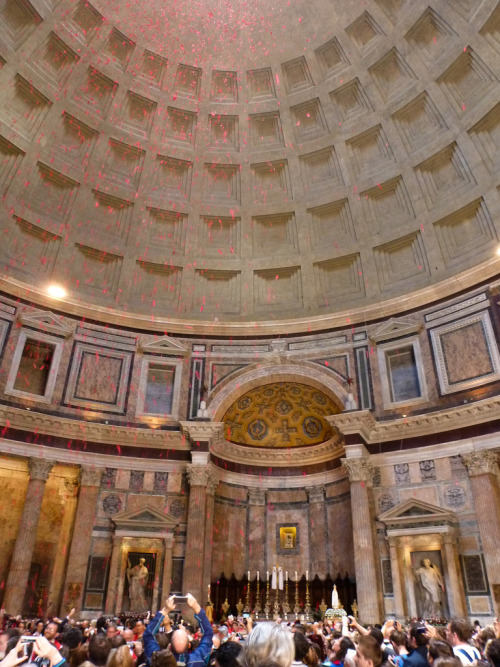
point(180, 642)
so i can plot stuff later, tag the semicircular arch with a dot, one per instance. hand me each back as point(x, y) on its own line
point(307, 373)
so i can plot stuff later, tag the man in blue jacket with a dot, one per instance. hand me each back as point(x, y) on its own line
point(180, 645)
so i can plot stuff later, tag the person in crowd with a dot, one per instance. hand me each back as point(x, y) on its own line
point(341, 651)
point(399, 643)
point(120, 657)
point(180, 642)
point(459, 633)
point(368, 652)
point(227, 655)
point(418, 643)
point(268, 643)
point(439, 648)
point(493, 653)
point(99, 649)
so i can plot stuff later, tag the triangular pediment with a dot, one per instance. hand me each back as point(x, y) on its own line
point(146, 518)
point(47, 322)
point(394, 328)
point(414, 511)
point(164, 345)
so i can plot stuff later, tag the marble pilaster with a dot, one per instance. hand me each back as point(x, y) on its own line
point(369, 596)
point(17, 579)
point(82, 536)
point(167, 568)
point(318, 557)
point(209, 527)
point(397, 581)
point(483, 473)
point(456, 595)
point(114, 570)
point(256, 536)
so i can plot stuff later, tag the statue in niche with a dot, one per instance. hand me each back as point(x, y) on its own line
point(137, 577)
point(430, 588)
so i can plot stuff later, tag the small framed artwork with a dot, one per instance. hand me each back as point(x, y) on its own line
point(287, 539)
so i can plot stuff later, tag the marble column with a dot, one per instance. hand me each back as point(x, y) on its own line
point(397, 582)
point(209, 528)
point(317, 532)
point(455, 594)
point(17, 579)
point(114, 570)
point(200, 476)
point(69, 491)
point(257, 531)
point(369, 596)
point(483, 470)
point(82, 538)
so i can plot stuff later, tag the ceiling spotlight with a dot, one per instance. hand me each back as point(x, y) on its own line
point(56, 291)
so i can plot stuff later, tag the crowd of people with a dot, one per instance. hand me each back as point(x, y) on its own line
point(165, 640)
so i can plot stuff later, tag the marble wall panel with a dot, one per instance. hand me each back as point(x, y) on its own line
point(13, 485)
point(341, 548)
point(229, 540)
point(295, 516)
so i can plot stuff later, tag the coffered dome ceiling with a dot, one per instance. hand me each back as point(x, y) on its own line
point(238, 163)
point(284, 414)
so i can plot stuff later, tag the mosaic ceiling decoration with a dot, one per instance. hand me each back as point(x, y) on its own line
point(283, 414)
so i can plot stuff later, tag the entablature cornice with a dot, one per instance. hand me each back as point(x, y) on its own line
point(280, 457)
point(76, 429)
point(364, 423)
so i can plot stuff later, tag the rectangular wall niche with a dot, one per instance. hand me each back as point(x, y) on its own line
point(34, 367)
point(401, 373)
point(159, 387)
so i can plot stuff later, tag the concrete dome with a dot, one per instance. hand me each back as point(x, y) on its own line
point(221, 167)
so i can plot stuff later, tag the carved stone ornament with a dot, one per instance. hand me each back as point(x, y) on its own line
point(359, 470)
point(201, 476)
point(316, 494)
point(481, 463)
point(40, 468)
point(210, 432)
point(257, 496)
point(91, 476)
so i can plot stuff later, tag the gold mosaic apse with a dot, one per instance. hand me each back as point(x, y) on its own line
point(283, 414)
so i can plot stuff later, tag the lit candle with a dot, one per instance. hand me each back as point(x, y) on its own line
point(258, 577)
point(286, 575)
point(248, 575)
point(307, 575)
point(267, 577)
point(208, 591)
point(296, 576)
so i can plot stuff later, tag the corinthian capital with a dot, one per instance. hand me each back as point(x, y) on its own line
point(359, 469)
point(199, 475)
point(40, 468)
point(480, 463)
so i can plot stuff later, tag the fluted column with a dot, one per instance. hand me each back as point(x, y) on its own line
point(257, 530)
point(456, 595)
point(17, 579)
point(397, 583)
point(82, 538)
point(167, 568)
point(209, 528)
point(483, 469)
point(318, 533)
point(69, 491)
point(361, 471)
point(200, 476)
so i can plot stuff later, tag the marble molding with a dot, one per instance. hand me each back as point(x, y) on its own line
point(257, 496)
point(281, 457)
point(316, 494)
point(90, 476)
point(364, 423)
